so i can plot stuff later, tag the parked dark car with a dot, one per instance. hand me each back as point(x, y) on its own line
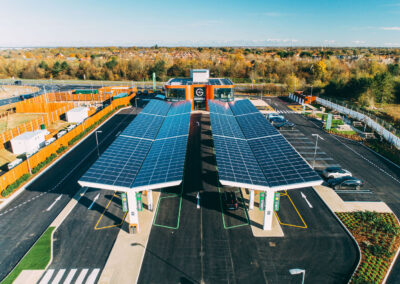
point(18, 82)
point(229, 200)
point(277, 120)
point(347, 182)
point(285, 125)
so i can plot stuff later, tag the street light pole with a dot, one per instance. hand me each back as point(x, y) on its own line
point(316, 145)
point(97, 142)
point(29, 165)
point(296, 271)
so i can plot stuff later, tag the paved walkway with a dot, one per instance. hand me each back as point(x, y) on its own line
point(338, 205)
point(126, 257)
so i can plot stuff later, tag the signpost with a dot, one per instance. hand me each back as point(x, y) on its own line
point(262, 201)
point(124, 200)
point(277, 199)
point(329, 121)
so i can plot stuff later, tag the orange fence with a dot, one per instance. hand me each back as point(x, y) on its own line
point(23, 168)
point(38, 107)
point(35, 124)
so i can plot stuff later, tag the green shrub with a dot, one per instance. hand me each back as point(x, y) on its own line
point(15, 185)
point(42, 164)
point(61, 149)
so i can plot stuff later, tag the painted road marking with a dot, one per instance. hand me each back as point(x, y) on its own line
point(366, 191)
point(81, 276)
point(198, 200)
point(305, 198)
point(94, 201)
point(102, 214)
point(47, 277)
point(92, 277)
point(58, 277)
point(119, 132)
point(243, 208)
point(54, 203)
point(298, 213)
point(76, 166)
point(70, 276)
point(358, 154)
point(173, 195)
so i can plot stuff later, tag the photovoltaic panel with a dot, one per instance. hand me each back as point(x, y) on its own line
point(256, 125)
point(120, 163)
point(226, 81)
point(225, 125)
point(219, 107)
point(180, 108)
point(174, 126)
point(241, 107)
point(156, 107)
point(280, 163)
point(144, 126)
point(164, 163)
point(236, 162)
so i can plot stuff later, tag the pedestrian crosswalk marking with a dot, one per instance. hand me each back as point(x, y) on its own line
point(81, 276)
point(68, 276)
point(47, 276)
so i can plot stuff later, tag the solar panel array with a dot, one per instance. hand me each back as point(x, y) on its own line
point(150, 150)
point(247, 144)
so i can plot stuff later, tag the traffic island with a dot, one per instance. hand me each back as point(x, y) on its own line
point(256, 217)
point(126, 257)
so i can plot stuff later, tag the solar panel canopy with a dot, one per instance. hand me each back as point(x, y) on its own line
point(150, 153)
point(251, 153)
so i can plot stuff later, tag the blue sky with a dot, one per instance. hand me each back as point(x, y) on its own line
point(207, 22)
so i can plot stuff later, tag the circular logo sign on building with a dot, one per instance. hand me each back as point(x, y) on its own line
point(199, 92)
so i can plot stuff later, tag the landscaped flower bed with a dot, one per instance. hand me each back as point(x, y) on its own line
point(378, 237)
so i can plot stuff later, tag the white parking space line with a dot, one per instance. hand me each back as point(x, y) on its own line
point(58, 277)
point(46, 278)
point(70, 276)
point(81, 276)
point(92, 277)
point(312, 153)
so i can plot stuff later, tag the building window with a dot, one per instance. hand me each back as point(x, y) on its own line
point(223, 94)
point(176, 94)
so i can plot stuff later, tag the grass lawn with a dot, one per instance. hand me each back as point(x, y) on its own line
point(36, 259)
point(350, 132)
point(17, 119)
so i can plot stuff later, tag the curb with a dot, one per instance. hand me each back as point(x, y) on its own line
point(19, 191)
point(348, 232)
point(383, 157)
point(394, 259)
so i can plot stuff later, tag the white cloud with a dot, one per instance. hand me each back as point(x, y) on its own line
point(391, 28)
point(358, 41)
point(329, 41)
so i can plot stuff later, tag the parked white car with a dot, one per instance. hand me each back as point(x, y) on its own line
point(335, 172)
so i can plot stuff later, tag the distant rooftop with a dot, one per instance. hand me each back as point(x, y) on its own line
point(189, 81)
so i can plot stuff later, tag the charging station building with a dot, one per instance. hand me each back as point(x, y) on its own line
point(199, 88)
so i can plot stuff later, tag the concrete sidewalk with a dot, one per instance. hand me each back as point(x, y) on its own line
point(338, 205)
point(257, 220)
point(126, 257)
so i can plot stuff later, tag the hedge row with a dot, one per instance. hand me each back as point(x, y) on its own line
point(42, 164)
point(15, 185)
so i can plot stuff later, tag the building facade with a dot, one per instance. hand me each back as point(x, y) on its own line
point(199, 88)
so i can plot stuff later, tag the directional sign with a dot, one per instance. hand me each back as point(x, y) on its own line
point(124, 200)
point(277, 199)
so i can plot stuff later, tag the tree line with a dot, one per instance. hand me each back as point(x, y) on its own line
point(366, 75)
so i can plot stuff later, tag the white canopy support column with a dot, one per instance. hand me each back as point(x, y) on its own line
point(133, 217)
point(269, 210)
point(251, 201)
point(150, 199)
